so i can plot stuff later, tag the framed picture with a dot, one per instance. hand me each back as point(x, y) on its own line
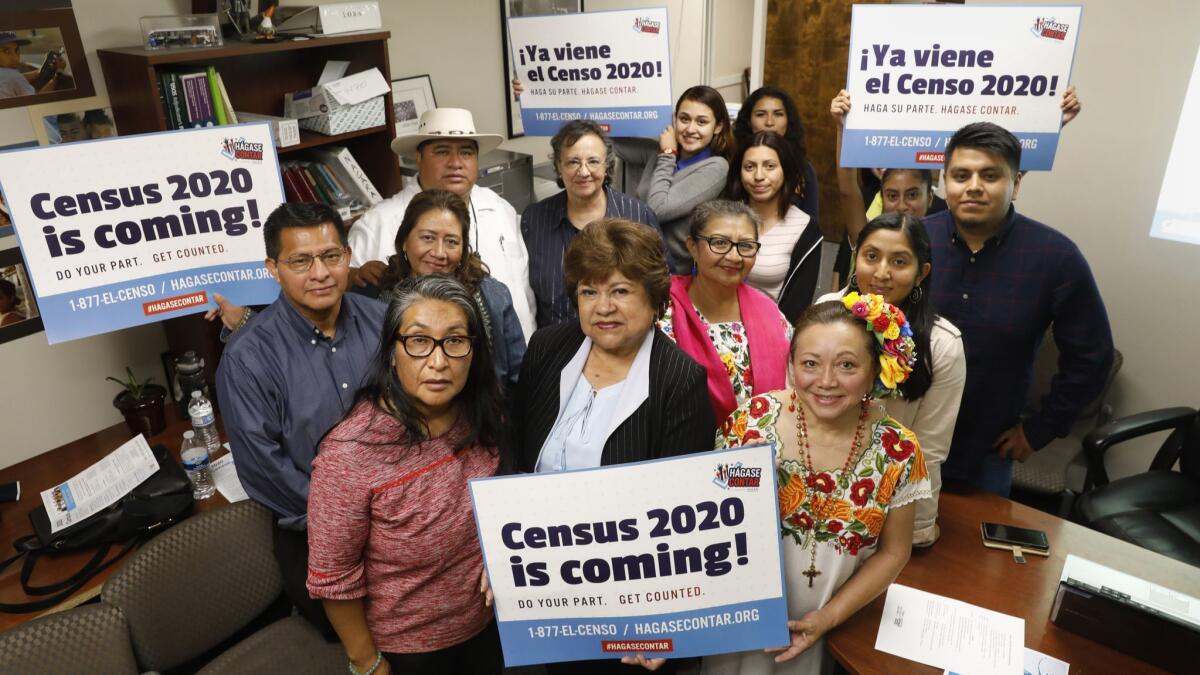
point(6, 226)
point(411, 96)
point(82, 119)
point(512, 8)
point(41, 58)
point(19, 314)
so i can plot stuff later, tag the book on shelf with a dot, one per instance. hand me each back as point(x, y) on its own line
point(313, 180)
point(349, 173)
point(193, 99)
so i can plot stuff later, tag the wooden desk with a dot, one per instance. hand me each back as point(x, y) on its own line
point(959, 566)
point(47, 470)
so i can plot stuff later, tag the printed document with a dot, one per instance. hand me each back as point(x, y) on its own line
point(224, 475)
point(100, 485)
point(950, 634)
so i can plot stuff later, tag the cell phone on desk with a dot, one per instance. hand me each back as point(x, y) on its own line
point(1008, 537)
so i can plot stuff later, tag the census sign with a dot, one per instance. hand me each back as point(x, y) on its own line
point(612, 68)
point(918, 73)
point(136, 229)
point(668, 558)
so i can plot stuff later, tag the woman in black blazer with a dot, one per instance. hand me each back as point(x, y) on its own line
point(631, 394)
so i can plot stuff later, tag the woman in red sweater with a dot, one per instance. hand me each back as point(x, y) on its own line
point(394, 553)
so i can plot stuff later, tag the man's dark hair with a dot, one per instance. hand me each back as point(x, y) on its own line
point(990, 138)
point(307, 214)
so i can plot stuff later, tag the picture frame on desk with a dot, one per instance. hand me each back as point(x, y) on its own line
point(411, 97)
point(508, 10)
point(21, 318)
point(49, 64)
point(85, 119)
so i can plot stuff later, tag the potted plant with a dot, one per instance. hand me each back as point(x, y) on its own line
point(142, 404)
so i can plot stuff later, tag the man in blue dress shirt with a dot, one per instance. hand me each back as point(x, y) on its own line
point(1003, 280)
point(291, 374)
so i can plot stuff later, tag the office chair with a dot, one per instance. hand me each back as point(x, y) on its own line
point(1158, 510)
point(88, 639)
point(197, 584)
point(1056, 475)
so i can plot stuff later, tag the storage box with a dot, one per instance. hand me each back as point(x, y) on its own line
point(363, 115)
point(348, 104)
point(330, 18)
point(284, 130)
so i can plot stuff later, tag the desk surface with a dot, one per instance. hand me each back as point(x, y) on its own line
point(959, 566)
point(47, 470)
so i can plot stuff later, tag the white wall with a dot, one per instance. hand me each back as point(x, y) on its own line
point(53, 395)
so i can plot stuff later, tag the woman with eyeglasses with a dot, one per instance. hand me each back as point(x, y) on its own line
point(389, 493)
point(434, 237)
point(735, 331)
point(765, 175)
point(583, 158)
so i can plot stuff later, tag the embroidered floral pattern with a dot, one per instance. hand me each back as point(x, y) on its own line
point(732, 346)
point(845, 509)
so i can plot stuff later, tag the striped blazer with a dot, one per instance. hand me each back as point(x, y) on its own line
point(675, 419)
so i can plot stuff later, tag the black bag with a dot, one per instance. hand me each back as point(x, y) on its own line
point(159, 501)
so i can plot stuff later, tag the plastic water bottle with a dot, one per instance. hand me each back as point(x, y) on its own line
point(204, 423)
point(195, 461)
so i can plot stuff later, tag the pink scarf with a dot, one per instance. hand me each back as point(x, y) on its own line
point(765, 335)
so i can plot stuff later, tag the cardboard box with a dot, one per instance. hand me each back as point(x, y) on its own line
point(365, 115)
point(285, 131)
point(330, 18)
point(347, 104)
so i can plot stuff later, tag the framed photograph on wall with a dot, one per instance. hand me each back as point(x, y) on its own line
point(41, 58)
point(411, 96)
point(6, 226)
point(512, 8)
point(19, 314)
point(83, 119)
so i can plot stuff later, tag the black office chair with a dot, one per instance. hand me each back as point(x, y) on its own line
point(1158, 510)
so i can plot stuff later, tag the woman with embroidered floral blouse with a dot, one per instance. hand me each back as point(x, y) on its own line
point(736, 332)
point(848, 473)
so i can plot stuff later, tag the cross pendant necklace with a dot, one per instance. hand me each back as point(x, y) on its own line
point(819, 518)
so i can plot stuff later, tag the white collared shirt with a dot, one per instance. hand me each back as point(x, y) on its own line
point(587, 416)
point(495, 235)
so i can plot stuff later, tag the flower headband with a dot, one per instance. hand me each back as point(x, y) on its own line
point(889, 326)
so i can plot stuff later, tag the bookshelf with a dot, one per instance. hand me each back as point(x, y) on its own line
point(256, 77)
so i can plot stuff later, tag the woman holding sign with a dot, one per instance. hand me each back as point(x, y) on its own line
point(765, 176)
point(389, 493)
point(848, 472)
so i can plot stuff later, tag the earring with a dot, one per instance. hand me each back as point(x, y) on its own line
point(916, 295)
point(852, 282)
point(695, 271)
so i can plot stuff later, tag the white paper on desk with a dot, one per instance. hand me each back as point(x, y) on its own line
point(224, 475)
point(951, 634)
point(1036, 663)
point(100, 485)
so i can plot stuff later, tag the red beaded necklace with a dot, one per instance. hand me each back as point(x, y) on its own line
point(810, 472)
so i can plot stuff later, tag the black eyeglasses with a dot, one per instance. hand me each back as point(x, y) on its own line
point(721, 246)
point(302, 263)
point(420, 346)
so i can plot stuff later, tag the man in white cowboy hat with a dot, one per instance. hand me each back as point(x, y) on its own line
point(447, 150)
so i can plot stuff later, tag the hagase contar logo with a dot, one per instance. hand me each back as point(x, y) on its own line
point(240, 148)
point(1050, 28)
point(729, 476)
point(644, 25)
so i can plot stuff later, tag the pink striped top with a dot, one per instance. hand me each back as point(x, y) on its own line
point(392, 523)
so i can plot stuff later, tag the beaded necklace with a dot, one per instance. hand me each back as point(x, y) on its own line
point(810, 473)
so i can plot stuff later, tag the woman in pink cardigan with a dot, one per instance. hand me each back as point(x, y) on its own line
point(736, 332)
